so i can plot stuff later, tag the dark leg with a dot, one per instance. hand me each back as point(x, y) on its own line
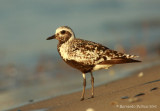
point(84, 86)
point(92, 82)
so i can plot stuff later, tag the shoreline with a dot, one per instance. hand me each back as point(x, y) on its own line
point(111, 94)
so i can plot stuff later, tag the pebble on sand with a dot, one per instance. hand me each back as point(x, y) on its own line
point(155, 88)
point(140, 74)
point(90, 109)
point(134, 99)
point(114, 103)
point(140, 94)
point(124, 97)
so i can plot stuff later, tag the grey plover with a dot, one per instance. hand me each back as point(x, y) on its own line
point(87, 56)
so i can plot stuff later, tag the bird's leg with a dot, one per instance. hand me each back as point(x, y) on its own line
point(84, 86)
point(92, 82)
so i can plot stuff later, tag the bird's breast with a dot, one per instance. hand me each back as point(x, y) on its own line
point(64, 51)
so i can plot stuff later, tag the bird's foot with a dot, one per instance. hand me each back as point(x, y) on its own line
point(92, 96)
point(81, 99)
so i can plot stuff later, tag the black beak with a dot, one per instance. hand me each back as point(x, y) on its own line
point(51, 37)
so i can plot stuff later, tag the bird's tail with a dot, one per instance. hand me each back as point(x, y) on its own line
point(120, 61)
point(128, 56)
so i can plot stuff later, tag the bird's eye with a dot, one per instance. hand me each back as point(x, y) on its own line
point(63, 32)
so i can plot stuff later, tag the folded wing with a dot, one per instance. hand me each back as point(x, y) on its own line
point(92, 53)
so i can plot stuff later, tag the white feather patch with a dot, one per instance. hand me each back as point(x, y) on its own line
point(98, 67)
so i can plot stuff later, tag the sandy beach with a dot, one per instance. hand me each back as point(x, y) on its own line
point(140, 92)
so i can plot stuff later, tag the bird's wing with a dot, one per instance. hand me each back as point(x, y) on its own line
point(115, 57)
point(92, 53)
point(86, 51)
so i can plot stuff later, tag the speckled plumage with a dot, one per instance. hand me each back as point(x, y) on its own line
point(87, 56)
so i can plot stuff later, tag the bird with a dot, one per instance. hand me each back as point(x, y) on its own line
point(87, 56)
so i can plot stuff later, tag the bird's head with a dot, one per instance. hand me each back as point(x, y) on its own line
point(63, 34)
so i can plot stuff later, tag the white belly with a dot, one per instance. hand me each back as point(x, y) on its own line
point(98, 67)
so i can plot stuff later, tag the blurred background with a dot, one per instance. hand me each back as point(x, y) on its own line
point(30, 67)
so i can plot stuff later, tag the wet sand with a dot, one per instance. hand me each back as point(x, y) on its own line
point(138, 92)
